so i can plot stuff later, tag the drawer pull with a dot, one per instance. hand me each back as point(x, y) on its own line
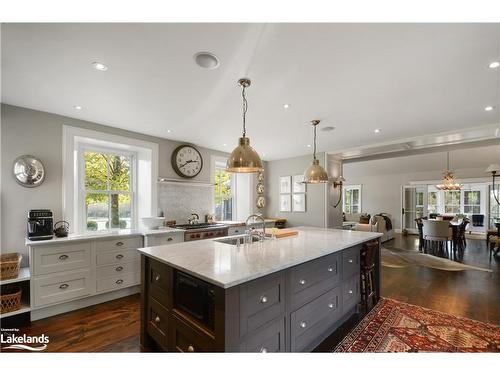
point(330, 305)
point(330, 269)
point(350, 291)
point(170, 239)
point(157, 319)
point(263, 350)
point(302, 281)
point(349, 260)
point(119, 281)
point(157, 278)
point(119, 243)
point(190, 348)
point(303, 324)
point(63, 257)
point(63, 286)
point(119, 256)
point(119, 268)
point(263, 299)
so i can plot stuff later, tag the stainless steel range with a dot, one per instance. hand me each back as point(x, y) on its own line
point(201, 231)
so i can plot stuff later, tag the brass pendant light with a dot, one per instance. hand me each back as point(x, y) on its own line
point(315, 174)
point(244, 159)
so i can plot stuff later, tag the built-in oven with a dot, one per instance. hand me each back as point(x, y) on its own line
point(194, 297)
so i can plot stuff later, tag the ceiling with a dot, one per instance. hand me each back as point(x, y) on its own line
point(408, 80)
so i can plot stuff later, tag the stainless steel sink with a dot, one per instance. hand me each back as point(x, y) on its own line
point(234, 240)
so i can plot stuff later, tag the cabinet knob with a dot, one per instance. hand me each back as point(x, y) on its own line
point(263, 350)
point(303, 324)
point(350, 291)
point(119, 256)
point(157, 278)
point(302, 281)
point(63, 257)
point(170, 239)
point(157, 319)
point(190, 348)
point(330, 305)
point(349, 260)
point(119, 243)
point(263, 299)
point(63, 286)
point(119, 281)
point(330, 269)
point(119, 268)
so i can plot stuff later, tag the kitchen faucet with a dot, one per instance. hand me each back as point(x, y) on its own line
point(193, 219)
point(252, 231)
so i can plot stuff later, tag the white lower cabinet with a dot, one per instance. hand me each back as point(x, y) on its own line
point(117, 282)
point(62, 287)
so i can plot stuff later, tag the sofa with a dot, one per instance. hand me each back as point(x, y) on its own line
point(377, 224)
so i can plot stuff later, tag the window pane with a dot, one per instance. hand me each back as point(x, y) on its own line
point(120, 211)
point(97, 211)
point(223, 196)
point(119, 172)
point(355, 196)
point(96, 171)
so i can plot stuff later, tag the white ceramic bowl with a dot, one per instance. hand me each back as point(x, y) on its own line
point(152, 222)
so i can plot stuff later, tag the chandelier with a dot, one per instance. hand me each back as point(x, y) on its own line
point(449, 182)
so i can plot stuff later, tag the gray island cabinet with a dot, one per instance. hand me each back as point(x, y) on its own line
point(284, 295)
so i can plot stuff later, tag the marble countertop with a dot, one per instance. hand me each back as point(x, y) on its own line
point(233, 223)
point(228, 265)
point(96, 235)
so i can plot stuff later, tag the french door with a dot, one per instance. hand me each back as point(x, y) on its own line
point(413, 205)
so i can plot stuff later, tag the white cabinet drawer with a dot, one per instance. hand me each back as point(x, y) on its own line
point(118, 269)
point(62, 287)
point(232, 231)
point(164, 239)
point(119, 243)
point(117, 256)
point(118, 282)
point(59, 258)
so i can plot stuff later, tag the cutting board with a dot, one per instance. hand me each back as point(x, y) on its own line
point(281, 232)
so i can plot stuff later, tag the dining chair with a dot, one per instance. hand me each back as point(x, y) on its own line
point(437, 231)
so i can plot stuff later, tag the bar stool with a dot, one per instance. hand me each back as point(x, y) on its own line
point(367, 275)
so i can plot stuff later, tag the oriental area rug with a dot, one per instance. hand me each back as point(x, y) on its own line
point(394, 326)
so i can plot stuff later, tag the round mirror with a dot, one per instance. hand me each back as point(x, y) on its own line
point(28, 171)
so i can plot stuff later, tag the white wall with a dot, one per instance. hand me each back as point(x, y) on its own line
point(382, 179)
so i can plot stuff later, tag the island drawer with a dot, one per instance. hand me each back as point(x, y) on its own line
point(232, 231)
point(268, 339)
point(159, 282)
point(116, 270)
point(157, 326)
point(60, 258)
point(186, 338)
point(308, 281)
point(261, 301)
point(164, 239)
point(313, 319)
point(350, 262)
point(350, 293)
point(62, 287)
point(119, 243)
point(117, 256)
point(118, 282)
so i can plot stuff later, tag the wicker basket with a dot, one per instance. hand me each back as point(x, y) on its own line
point(11, 298)
point(9, 265)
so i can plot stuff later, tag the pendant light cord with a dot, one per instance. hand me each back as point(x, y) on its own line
point(314, 149)
point(245, 108)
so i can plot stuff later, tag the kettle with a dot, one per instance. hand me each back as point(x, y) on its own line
point(61, 229)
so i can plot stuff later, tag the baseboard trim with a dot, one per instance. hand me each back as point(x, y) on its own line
point(45, 312)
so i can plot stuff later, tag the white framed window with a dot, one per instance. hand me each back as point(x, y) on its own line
point(224, 190)
point(109, 181)
point(472, 201)
point(351, 199)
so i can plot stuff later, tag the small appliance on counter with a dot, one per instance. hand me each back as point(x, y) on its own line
point(61, 229)
point(40, 225)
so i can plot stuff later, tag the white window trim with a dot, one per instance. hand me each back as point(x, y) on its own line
point(214, 159)
point(147, 166)
point(352, 187)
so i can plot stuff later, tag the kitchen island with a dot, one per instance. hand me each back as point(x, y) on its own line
point(284, 294)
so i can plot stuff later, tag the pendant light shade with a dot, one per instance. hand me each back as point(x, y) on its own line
point(244, 159)
point(315, 174)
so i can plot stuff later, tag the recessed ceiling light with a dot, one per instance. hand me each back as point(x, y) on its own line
point(77, 107)
point(327, 128)
point(489, 108)
point(494, 64)
point(169, 131)
point(309, 146)
point(286, 106)
point(206, 60)
point(225, 144)
point(377, 130)
point(99, 66)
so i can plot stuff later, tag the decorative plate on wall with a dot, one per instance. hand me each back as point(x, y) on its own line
point(261, 202)
point(260, 188)
point(28, 171)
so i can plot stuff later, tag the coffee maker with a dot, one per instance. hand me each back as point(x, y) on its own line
point(40, 223)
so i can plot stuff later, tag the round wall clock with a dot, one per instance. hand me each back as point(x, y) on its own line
point(187, 161)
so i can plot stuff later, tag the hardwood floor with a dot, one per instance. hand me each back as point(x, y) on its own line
point(114, 326)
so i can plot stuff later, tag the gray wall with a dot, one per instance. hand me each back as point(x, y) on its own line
point(26, 131)
point(315, 196)
point(383, 179)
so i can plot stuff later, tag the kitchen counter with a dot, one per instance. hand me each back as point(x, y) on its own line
point(112, 234)
point(235, 223)
point(227, 265)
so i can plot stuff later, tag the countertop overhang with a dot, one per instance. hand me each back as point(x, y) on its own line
point(227, 265)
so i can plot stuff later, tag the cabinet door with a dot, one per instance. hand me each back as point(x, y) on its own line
point(268, 339)
point(186, 338)
point(62, 287)
point(61, 257)
point(350, 262)
point(157, 322)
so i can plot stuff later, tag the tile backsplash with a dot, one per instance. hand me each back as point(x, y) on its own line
point(178, 202)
